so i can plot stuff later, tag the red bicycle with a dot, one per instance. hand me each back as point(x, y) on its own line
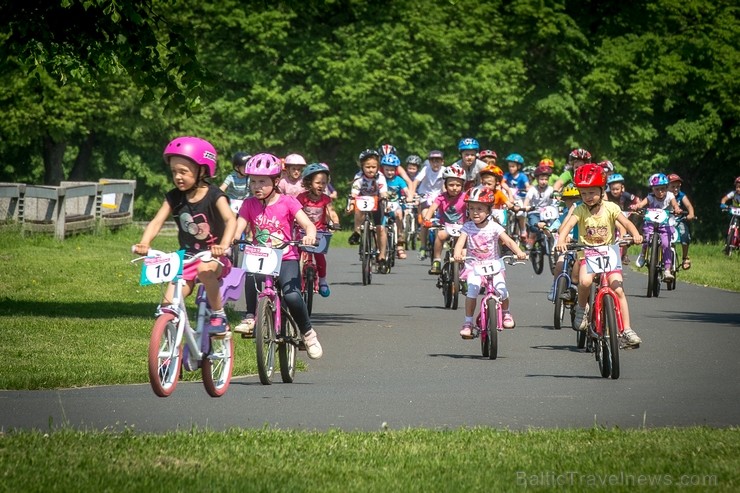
point(605, 318)
point(309, 270)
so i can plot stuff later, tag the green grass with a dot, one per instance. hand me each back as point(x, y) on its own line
point(74, 314)
point(709, 266)
point(480, 459)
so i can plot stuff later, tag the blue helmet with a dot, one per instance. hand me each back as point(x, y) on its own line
point(657, 180)
point(615, 178)
point(390, 160)
point(468, 144)
point(515, 158)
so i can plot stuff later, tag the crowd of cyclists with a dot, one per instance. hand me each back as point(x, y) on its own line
point(499, 208)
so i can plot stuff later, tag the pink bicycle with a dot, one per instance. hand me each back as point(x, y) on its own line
point(490, 318)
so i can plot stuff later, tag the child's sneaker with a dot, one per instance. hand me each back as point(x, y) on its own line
point(668, 275)
point(640, 262)
point(467, 331)
point(508, 321)
point(313, 346)
point(581, 319)
point(630, 338)
point(354, 238)
point(422, 254)
point(551, 294)
point(436, 268)
point(324, 290)
point(246, 327)
point(218, 325)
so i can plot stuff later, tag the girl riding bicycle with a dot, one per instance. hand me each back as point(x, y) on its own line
point(203, 217)
point(480, 239)
point(319, 209)
point(450, 207)
point(596, 220)
point(271, 215)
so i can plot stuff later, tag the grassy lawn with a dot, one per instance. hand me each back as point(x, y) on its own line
point(481, 459)
point(709, 266)
point(58, 299)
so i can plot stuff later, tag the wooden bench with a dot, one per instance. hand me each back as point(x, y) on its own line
point(11, 202)
point(116, 204)
point(62, 210)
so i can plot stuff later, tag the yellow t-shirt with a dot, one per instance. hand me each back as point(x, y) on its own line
point(597, 229)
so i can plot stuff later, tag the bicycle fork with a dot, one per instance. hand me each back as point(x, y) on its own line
point(598, 327)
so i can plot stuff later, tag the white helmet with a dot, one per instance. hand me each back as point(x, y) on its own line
point(295, 159)
point(454, 171)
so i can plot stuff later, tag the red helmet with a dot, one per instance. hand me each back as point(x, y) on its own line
point(737, 180)
point(542, 170)
point(480, 194)
point(581, 154)
point(487, 153)
point(590, 175)
point(674, 177)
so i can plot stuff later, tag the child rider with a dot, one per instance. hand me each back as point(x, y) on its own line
point(270, 215)
point(203, 217)
point(596, 220)
point(674, 186)
point(479, 238)
point(397, 192)
point(318, 207)
point(451, 207)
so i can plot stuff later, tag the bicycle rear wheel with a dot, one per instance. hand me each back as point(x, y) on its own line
point(265, 341)
point(288, 348)
point(446, 281)
point(390, 251)
point(218, 365)
point(492, 324)
point(409, 226)
point(308, 285)
point(165, 358)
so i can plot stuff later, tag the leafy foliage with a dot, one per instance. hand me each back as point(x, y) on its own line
point(650, 85)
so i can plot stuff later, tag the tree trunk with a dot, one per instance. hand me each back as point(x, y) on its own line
point(53, 160)
point(81, 168)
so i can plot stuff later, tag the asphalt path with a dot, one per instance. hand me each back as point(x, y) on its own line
point(393, 358)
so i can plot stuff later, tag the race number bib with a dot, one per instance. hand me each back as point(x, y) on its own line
point(500, 215)
point(235, 205)
point(487, 267)
point(453, 229)
point(548, 213)
point(659, 216)
point(602, 259)
point(735, 211)
point(366, 203)
point(162, 268)
point(262, 260)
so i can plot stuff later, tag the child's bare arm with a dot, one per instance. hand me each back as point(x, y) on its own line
point(513, 246)
point(631, 228)
point(564, 231)
point(689, 207)
point(222, 205)
point(152, 229)
point(457, 253)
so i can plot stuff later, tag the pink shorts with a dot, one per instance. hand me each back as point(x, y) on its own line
point(190, 271)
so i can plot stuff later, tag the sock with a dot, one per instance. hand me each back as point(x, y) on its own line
point(468, 320)
point(218, 313)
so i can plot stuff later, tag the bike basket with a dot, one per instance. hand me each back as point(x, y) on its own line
point(262, 260)
point(366, 203)
point(323, 237)
point(600, 259)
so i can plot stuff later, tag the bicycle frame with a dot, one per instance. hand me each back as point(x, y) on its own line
point(603, 291)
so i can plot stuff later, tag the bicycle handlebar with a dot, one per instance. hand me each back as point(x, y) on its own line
point(204, 256)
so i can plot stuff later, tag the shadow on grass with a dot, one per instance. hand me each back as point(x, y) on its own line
point(109, 309)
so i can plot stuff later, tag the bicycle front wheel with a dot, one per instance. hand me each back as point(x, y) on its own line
point(536, 255)
point(288, 348)
point(366, 252)
point(308, 285)
point(265, 341)
point(409, 226)
point(164, 357)
point(455, 288)
point(610, 338)
point(492, 324)
point(218, 365)
point(560, 287)
point(653, 259)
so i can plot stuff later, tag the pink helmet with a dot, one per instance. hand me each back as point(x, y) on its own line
point(200, 151)
point(263, 164)
point(295, 159)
